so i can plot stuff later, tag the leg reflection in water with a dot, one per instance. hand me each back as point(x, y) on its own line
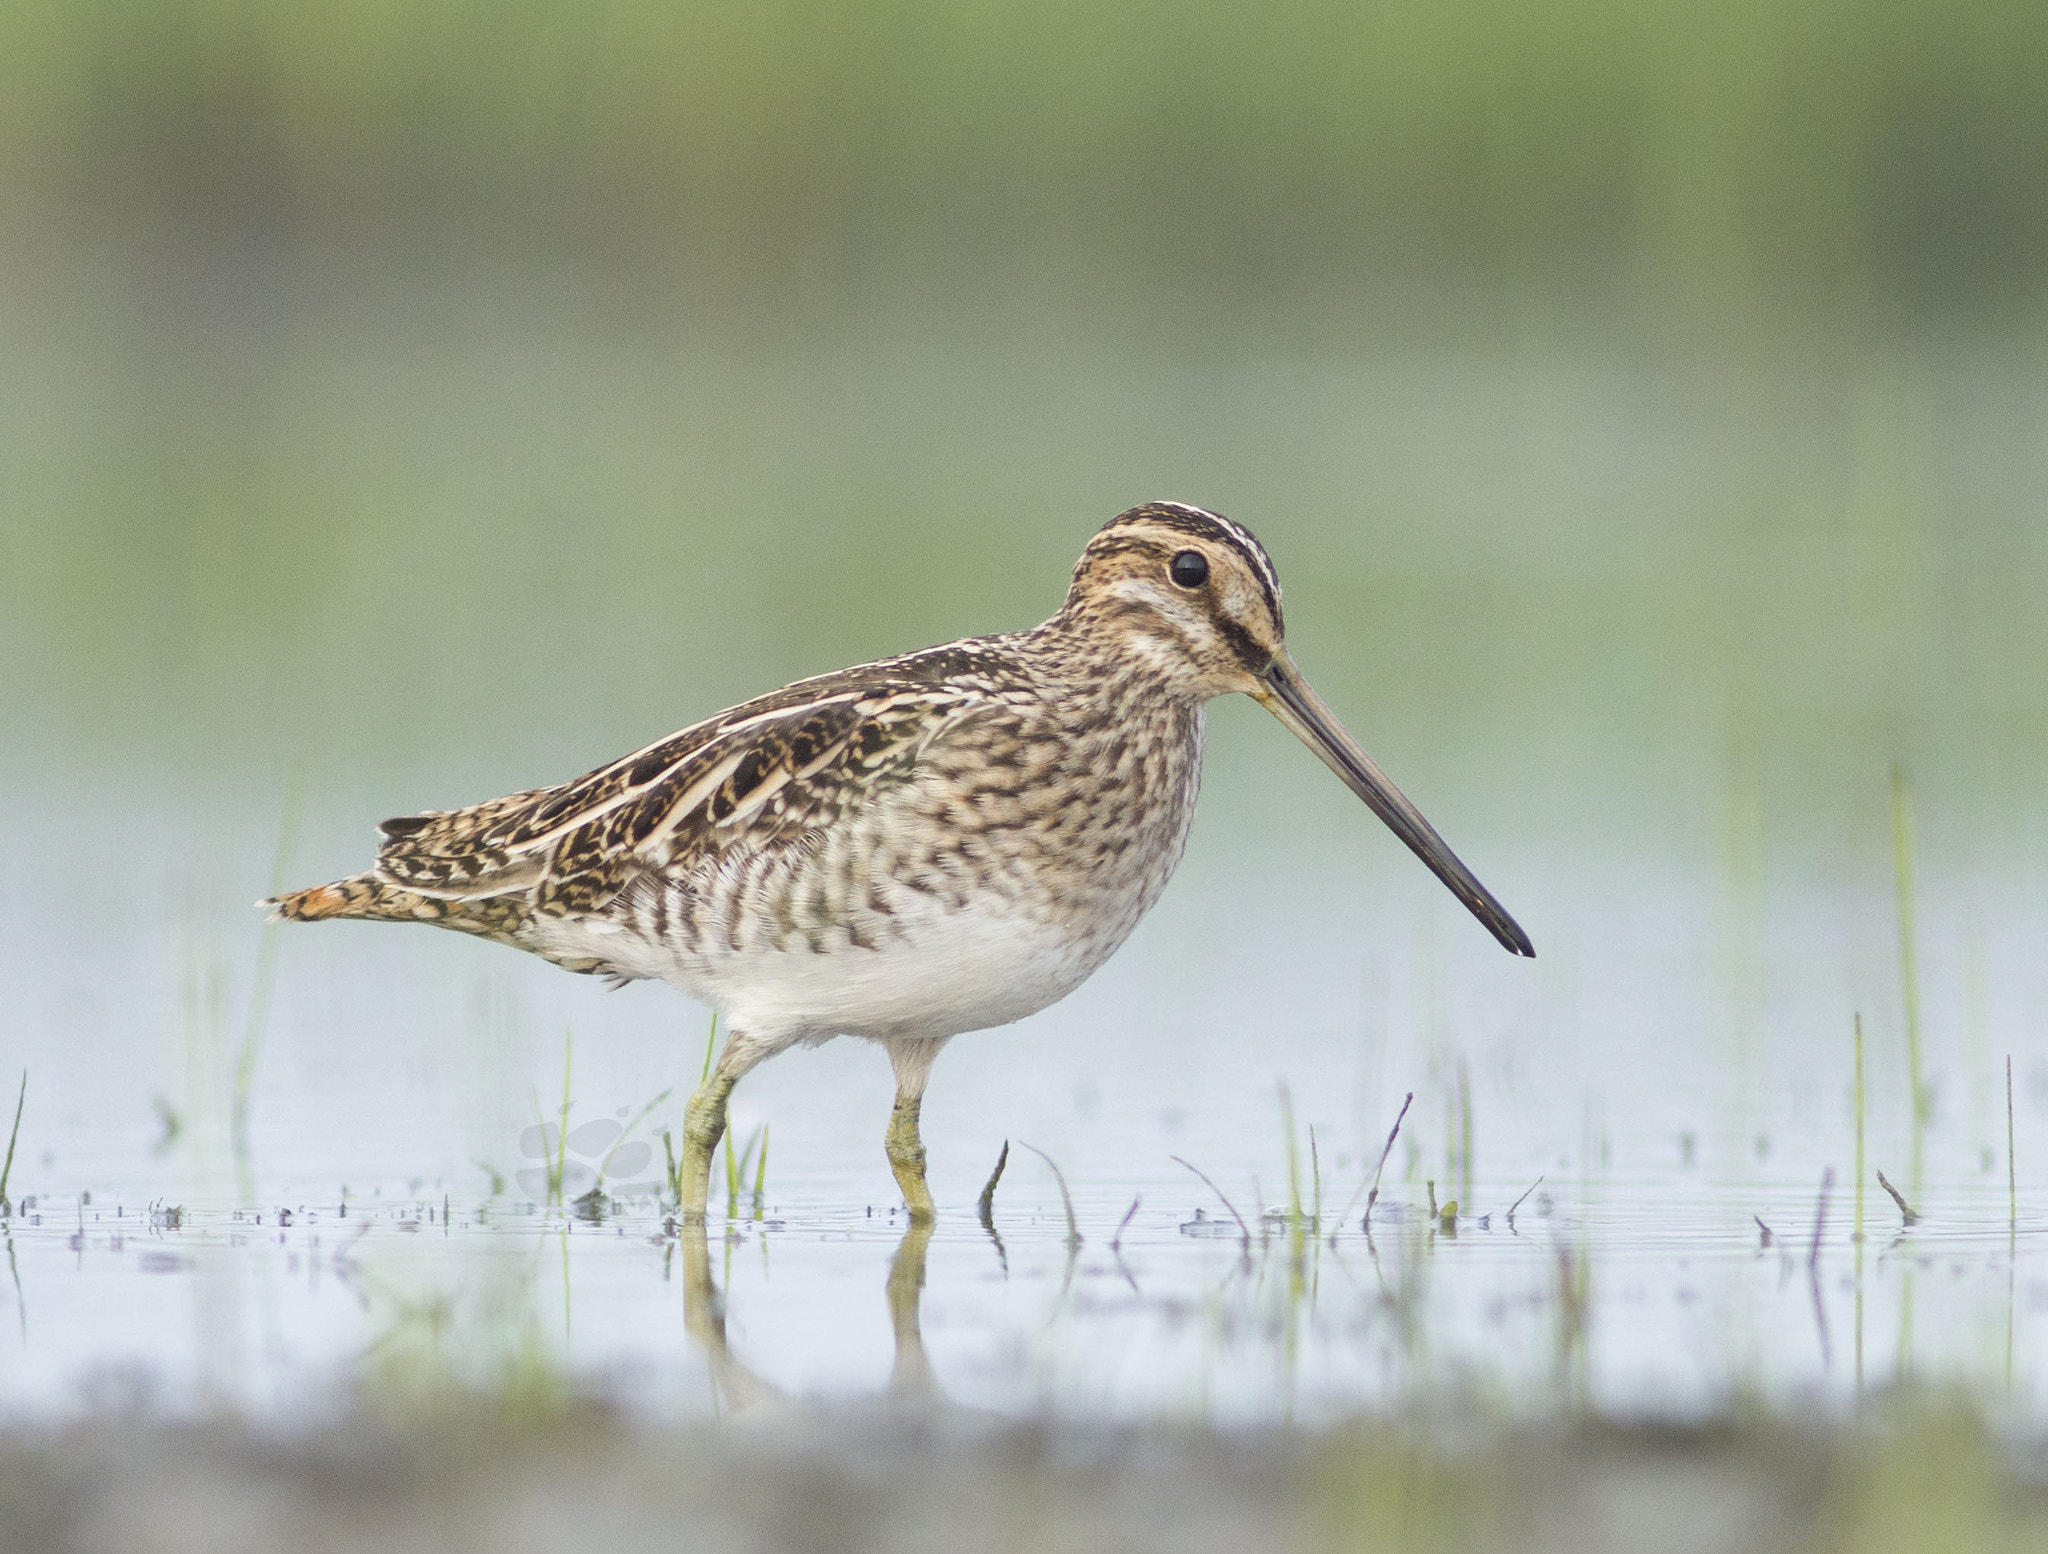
point(911, 1375)
point(740, 1389)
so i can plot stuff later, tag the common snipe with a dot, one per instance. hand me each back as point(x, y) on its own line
point(918, 847)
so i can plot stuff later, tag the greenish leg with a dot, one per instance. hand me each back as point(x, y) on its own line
point(906, 1156)
point(704, 1119)
point(912, 1061)
point(703, 1127)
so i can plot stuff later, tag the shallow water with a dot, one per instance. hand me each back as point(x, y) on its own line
point(1644, 638)
point(403, 1088)
point(1644, 1300)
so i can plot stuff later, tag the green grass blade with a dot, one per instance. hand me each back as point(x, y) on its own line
point(266, 969)
point(761, 1174)
point(1859, 1141)
point(1909, 965)
point(14, 1134)
point(1293, 1161)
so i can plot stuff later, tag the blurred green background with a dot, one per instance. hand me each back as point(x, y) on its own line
point(1889, 157)
point(1644, 398)
point(1646, 405)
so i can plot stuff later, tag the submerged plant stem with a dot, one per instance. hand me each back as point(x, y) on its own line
point(1522, 1200)
point(1906, 1211)
point(1066, 1198)
point(1243, 1228)
point(1820, 1217)
point(986, 1203)
point(1371, 1187)
point(1116, 1241)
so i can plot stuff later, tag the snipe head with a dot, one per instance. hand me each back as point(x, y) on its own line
point(1194, 599)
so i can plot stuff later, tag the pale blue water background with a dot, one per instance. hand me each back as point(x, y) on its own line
point(1643, 633)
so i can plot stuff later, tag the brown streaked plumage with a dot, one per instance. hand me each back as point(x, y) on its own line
point(907, 850)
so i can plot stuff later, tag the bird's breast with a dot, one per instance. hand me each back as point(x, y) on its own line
point(1010, 864)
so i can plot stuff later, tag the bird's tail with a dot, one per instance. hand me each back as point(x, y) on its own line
point(499, 918)
point(360, 895)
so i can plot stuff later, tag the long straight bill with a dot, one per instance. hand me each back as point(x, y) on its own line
point(1289, 699)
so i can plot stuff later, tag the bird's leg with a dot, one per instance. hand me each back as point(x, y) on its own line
point(703, 1127)
point(906, 1156)
point(704, 1121)
point(912, 1061)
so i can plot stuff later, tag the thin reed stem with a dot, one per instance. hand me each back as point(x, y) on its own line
point(21, 1100)
point(1116, 1241)
point(1909, 964)
point(1522, 1200)
point(560, 1171)
point(1371, 1187)
point(986, 1203)
point(1906, 1210)
point(1066, 1198)
point(1859, 1143)
point(1293, 1164)
point(1820, 1217)
point(1243, 1228)
point(1464, 1129)
point(761, 1175)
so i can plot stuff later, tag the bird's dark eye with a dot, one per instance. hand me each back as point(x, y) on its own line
point(1190, 569)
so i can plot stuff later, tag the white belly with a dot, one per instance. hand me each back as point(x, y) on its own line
point(963, 972)
point(947, 973)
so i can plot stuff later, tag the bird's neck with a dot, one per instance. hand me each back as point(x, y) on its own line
point(1093, 659)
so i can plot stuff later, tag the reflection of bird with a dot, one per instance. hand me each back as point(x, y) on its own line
point(704, 1317)
point(918, 847)
point(742, 1388)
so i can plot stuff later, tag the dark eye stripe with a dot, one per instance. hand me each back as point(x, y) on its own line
point(1194, 521)
point(1248, 651)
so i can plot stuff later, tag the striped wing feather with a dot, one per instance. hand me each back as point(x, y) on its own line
point(767, 771)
